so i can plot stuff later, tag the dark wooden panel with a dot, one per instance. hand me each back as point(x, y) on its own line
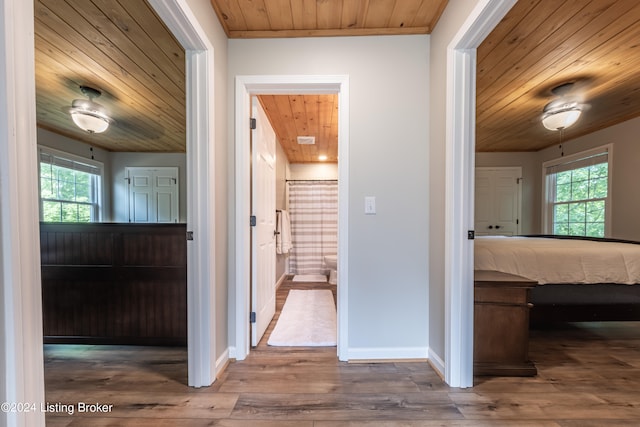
point(114, 283)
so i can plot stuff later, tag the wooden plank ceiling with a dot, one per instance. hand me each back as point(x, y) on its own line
point(541, 44)
point(122, 49)
point(304, 115)
point(309, 18)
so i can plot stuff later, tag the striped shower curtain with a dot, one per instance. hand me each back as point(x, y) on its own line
point(313, 208)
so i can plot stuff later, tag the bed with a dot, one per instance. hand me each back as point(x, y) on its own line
point(579, 279)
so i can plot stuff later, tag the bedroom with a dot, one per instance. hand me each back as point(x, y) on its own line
point(521, 71)
point(128, 179)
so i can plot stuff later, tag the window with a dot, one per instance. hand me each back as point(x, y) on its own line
point(578, 196)
point(69, 187)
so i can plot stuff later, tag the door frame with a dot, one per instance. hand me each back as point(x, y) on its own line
point(245, 87)
point(201, 212)
point(459, 184)
point(22, 356)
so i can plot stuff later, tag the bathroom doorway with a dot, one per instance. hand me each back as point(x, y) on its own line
point(249, 86)
point(294, 239)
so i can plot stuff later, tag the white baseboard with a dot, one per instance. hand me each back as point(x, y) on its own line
point(232, 352)
point(222, 361)
point(281, 279)
point(436, 362)
point(390, 353)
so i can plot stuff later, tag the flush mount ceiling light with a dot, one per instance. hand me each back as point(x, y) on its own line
point(566, 109)
point(89, 115)
point(561, 114)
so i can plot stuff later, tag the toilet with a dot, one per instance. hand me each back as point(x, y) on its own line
point(331, 261)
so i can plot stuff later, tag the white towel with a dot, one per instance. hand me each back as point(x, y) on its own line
point(283, 236)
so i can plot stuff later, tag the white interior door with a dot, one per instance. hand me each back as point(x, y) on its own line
point(263, 206)
point(153, 194)
point(498, 199)
point(165, 194)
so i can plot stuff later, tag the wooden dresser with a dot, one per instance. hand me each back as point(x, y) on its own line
point(501, 325)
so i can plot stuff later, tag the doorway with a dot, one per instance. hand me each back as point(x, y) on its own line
point(460, 166)
point(247, 86)
point(294, 207)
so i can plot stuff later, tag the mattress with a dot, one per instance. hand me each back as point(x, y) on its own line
point(549, 260)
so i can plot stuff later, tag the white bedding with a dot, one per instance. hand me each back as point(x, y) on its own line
point(549, 260)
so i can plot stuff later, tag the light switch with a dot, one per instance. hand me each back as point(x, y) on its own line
point(370, 205)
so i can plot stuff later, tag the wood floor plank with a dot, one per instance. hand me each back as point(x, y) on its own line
point(333, 406)
point(588, 376)
point(432, 423)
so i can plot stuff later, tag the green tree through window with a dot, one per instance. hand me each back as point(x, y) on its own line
point(579, 191)
point(69, 189)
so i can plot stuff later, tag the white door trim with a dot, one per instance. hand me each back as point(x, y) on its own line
point(201, 267)
point(460, 160)
point(293, 85)
point(21, 353)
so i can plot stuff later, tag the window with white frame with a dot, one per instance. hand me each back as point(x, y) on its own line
point(70, 187)
point(578, 193)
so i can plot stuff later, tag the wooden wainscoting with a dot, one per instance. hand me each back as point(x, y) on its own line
point(114, 283)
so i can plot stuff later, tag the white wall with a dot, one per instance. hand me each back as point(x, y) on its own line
point(448, 25)
point(120, 161)
point(388, 277)
point(625, 193)
point(314, 171)
point(115, 187)
point(626, 158)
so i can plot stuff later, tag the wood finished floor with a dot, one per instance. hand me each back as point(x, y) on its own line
point(588, 375)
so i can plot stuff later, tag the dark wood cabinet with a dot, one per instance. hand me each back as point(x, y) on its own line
point(114, 283)
point(501, 325)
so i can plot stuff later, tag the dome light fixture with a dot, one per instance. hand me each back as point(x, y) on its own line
point(89, 115)
point(557, 116)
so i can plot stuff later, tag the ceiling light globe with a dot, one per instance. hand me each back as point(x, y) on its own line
point(89, 122)
point(561, 119)
point(89, 116)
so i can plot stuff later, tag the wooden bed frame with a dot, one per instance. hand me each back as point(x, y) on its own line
point(585, 302)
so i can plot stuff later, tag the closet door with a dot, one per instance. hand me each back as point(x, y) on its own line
point(153, 194)
point(497, 201)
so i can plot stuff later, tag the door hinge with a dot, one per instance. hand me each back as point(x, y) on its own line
point(252, 123)
point(189, 235)
point(517, 221)
point(253, 221)
point(471, 234)
point(252, 317)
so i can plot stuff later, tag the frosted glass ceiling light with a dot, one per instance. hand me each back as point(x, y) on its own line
point(560, 115)
point(88, 115)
